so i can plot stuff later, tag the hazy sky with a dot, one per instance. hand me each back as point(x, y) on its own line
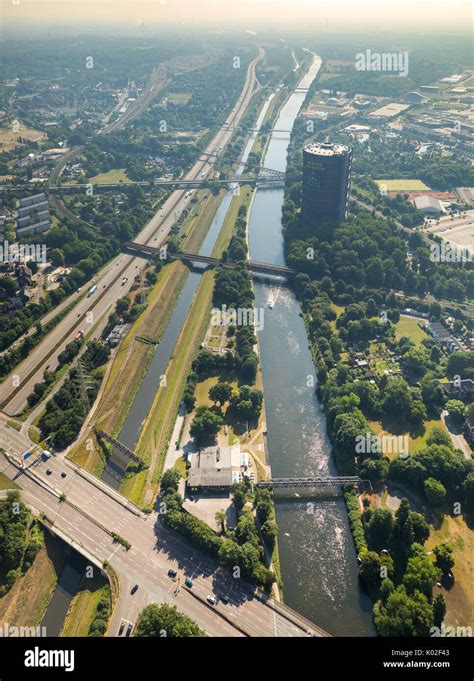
point(330, 14)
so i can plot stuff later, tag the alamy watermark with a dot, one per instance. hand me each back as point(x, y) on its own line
point(458, 632)
point(448, 252)
point(23, 252)
point(382, 444)
point(13, 631)
point(393, 62)
point(241, 316)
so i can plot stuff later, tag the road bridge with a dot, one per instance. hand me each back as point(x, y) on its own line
point(253, 265)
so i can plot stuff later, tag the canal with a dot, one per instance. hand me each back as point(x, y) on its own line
point(113, 472)
point(317, 555)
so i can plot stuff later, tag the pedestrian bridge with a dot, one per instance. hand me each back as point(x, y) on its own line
point(318, 481)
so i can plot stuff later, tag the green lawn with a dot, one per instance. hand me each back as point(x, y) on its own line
point(408, 327)
point(416, 444)
point(403, 185)
point(114, 175)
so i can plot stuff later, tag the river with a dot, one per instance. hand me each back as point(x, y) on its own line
point(317, 555)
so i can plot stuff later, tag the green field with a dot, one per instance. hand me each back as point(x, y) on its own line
point(408, 327)
point(114, 175)
point(403, 185)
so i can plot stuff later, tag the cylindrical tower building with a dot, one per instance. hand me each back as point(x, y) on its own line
point(326, 177)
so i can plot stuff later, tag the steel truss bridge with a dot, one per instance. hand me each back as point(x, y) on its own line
point(310, 482)
point(120, 446)
point(254, 266)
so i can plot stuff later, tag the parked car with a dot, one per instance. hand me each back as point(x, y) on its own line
point(63, 474)
point(121, 628)
point(129, 629)
point(172, 573)
point(188, 582)
point(49, 471)
point(224, 600)
point(134, 589)
point(212, 599)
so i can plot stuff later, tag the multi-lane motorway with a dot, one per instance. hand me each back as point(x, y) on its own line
point(91, 512)
point(16, 388)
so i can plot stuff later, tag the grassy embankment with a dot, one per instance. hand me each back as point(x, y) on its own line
point(26, 602)
point(141, 487)
point(6, 483)
point(83, 606)
point(133, 358)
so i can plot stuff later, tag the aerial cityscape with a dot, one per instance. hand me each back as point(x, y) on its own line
point(237, 328)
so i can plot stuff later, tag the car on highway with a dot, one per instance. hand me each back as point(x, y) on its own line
point(212, 599)
point(172, 573)
point(134, 589)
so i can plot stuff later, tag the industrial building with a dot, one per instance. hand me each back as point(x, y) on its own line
point(216, 468)
point(326, 178)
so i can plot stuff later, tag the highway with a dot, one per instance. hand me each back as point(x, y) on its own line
point(16, 387)
point(92, 511)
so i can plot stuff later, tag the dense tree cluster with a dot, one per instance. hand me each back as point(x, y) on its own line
point(399, 574)
point(159, 621)
point(18, 545)
point(66, 411)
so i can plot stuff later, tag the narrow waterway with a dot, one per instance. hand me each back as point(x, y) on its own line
point(66, 589)
point(113, 472)
point(317, 554)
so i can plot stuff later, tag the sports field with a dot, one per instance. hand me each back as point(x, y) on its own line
point(403, 185)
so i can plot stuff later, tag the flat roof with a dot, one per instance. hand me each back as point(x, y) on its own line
point(326, 149)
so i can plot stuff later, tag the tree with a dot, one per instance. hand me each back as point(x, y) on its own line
point(403, 614)
point(170, 480)
point(438, 436)
point(456, 410)
point(435, 492)
point(220, 518)
point(468, 487)
point(164, 620)
point(206, 424)
point(444, 557)
point(370, 572)
point(416, 359)
point(379, 529)
point(220, 392)
point(421, 574)
point(439, 609)
point(403, 535)
point(421, 530)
